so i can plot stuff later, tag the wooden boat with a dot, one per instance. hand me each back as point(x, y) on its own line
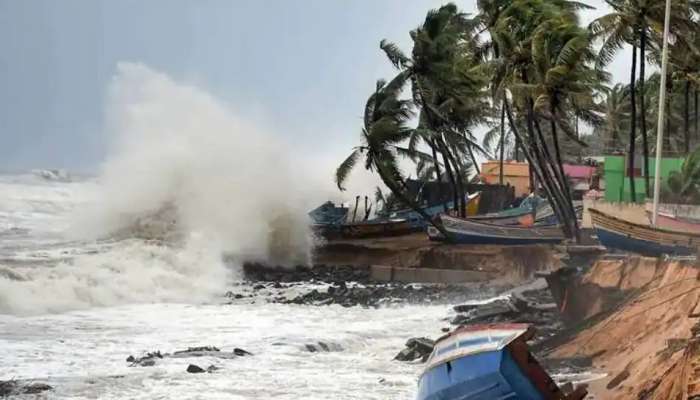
point(616, 233)
point(418, 221)
point(466, 231)
point(488, 362)
point(369, 229)
point(329, 214)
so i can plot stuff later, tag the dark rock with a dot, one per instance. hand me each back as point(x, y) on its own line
point(212, 368)
point(277, 285)
point(323, 346)
point(238, 296)
point(13, 387)
point(311, 348)
point(198, 349)
point(241, 352)
point(194, 369)
point(258, 287)
point(130, 359)
point(416, 348)
point(147, 362)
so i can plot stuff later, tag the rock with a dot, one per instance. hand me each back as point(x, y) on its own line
point(416, 348)
point(241, 352)
point(194, 369)
point(322, 347)
point(147, 362)
point(212, 368)
point(35, 388)
point(258, 287)
point(13, 387)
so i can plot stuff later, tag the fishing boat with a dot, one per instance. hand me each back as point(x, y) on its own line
point(467, 231)
point(472, 206)
point(368, 229)
point(616, 233)
point(488, 362)
point(329, 214)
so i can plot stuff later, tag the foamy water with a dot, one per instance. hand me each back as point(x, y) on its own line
point(76, 300)
point(131, 297)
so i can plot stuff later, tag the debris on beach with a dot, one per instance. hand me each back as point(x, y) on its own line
point(15, 388)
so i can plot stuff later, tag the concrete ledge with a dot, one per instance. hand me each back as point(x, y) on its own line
point(384, 273)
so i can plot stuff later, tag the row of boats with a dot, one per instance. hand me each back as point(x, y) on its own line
point(532, 222)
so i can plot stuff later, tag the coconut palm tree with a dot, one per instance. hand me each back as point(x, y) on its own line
point(616, 108)
point(639, 23)
point(386, 120)
point(448, 88)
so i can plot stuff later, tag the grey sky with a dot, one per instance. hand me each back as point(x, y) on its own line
point(301, 68)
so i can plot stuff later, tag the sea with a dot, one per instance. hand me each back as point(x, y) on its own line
point(73, 309)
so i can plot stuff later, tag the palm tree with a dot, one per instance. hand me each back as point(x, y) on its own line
point(386, 120)
point(616, 108)
point(448, 87)
point(684, 186)
point(639, 23)
point(517, 76)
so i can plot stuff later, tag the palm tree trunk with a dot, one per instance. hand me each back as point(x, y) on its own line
point(354, 212)
point(633, 125)
point(436, 162)
point(686, 118)
point(473, 158)
point(503, 141)
point(396, 190)
point(528, 153)
point(562, 176)
point(695, 121)
point(450, 174)
point(643, 108)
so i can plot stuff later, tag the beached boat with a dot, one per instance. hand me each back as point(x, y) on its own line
point(369, 229)
point(466, 231)
point(488, 362)
point(616, 233)
point(329, 214)
point(417, 220)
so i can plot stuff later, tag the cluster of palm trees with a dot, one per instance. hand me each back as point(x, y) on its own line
point(529, 74)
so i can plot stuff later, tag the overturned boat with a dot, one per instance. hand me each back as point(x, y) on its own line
point(488, 362)
point(466, 231)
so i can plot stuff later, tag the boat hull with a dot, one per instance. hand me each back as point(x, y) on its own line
point(618, 241)
point(485, 376)
point(469, 232)
point(618, 234)
point(366, 230)
point(487, 362)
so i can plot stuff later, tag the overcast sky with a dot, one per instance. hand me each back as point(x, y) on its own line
point(302, 68)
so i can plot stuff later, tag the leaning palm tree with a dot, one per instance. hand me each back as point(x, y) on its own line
point(448, 88)
point(386, 120)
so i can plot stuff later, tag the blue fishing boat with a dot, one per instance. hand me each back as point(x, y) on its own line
point(329, 214)
point(488, 362)
point(618, 234)
point(466, 231)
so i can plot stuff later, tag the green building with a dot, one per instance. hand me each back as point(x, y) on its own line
point(617, 183)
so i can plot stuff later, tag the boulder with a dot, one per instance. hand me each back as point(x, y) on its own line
point(194, 369)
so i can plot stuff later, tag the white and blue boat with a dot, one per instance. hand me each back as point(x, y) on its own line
point(488, 362)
